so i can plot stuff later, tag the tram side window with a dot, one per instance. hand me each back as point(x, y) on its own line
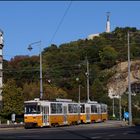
point(103, 109)
point(59, 108)
point(53, 108)
point(56, 108)
point(70, 108)
point(75, 108)
point(82, 106)
point(99, 109)
point(38, 109)
point(93, 109)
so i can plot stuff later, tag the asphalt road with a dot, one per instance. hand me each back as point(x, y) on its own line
point(107, 130)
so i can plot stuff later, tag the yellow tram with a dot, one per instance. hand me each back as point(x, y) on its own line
point(93, 112)
point(40, 113)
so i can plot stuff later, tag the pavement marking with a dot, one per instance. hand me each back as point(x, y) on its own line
point(28, 136)
point(100, 133)
point(125, 133)
point(131, 132)
point(98, 137)
point(112, 135)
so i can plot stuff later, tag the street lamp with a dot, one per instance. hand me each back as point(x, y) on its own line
point(87, 74)
point(118, 89)
point(30, 48)
point(129, 84)
point(120, 107)
point(79, 109)
point(113, 114)
point(77, 79)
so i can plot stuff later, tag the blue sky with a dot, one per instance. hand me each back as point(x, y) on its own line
point(24, 22)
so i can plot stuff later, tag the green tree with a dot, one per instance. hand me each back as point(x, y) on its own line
point(51, 92)
point(108, 56)
point(12, 99)
point(98, 90)
point(31, 90)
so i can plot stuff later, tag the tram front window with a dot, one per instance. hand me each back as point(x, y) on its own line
point(32, 109)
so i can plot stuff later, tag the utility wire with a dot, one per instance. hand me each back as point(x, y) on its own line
point(66, 11)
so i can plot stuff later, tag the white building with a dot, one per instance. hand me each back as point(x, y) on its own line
point(90, 37)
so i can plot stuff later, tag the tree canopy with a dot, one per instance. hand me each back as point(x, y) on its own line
point(12, 99)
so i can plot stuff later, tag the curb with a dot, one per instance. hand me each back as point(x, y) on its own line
point(18, 125)
point(11, 125)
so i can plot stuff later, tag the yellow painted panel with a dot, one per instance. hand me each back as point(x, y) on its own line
point(95, 117)
point(104, 117)
point(33, 119)
point(56, 119)
point(83, 118)
point(72, 118)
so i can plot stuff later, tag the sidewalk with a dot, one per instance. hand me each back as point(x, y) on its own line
point(118, 123)
point(12, 125)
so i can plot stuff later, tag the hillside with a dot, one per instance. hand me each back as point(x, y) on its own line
point(63, 64)
point(118, 83)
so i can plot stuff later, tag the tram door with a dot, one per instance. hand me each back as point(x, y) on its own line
point(65, 107)
point(45, 110)
point(99, 113)
point(87, 113)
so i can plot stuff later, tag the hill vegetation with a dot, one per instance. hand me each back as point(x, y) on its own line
point(63, 64)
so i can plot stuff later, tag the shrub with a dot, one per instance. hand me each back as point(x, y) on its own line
point(136, 121)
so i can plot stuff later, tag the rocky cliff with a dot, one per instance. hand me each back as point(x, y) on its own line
point(118, 83)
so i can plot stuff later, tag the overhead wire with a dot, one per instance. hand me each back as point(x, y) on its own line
point(62, 19)
point(57, 28)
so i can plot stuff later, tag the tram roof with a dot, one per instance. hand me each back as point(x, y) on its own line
point(36, 100)
point(63, 100)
